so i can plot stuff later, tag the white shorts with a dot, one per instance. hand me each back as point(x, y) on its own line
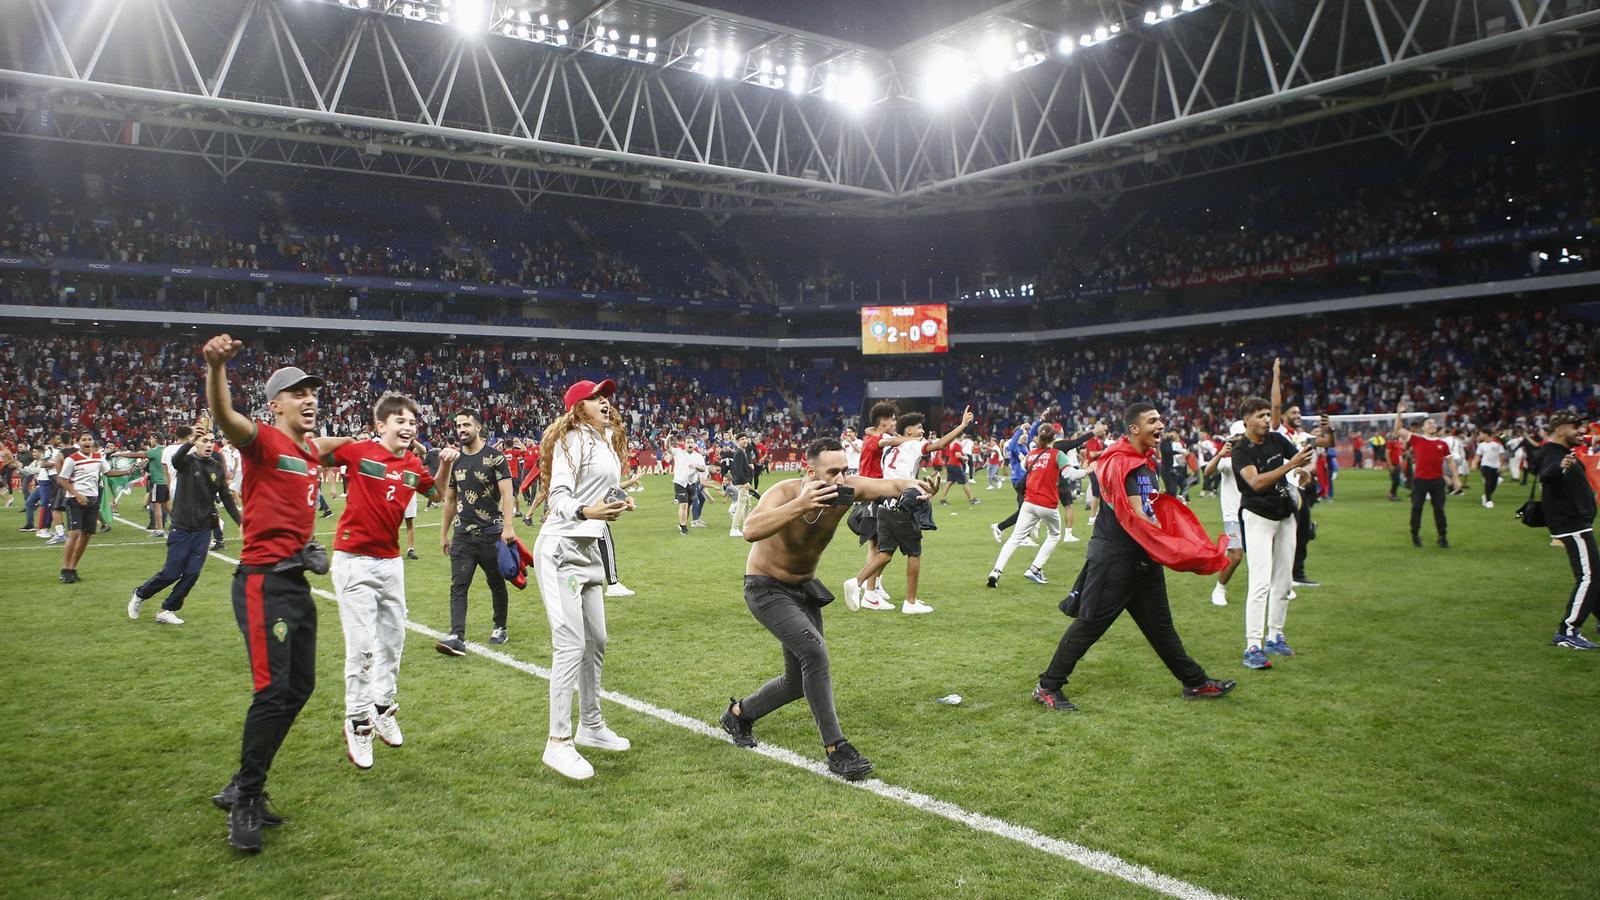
point(1230, 527)
point(411, 508)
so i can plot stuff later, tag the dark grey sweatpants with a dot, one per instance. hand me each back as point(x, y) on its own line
point(793, 613)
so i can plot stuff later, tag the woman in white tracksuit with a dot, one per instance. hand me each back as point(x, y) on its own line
point(582, 453)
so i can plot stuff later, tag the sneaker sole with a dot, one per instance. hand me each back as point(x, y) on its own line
point(447, 651)
point(596, 745)
point(242, 848)
point(1217, 696)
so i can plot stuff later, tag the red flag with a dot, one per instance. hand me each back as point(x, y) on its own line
point(1176, 540)
point(130, 131)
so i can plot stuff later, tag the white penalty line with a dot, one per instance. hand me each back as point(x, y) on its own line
point(1094, 860)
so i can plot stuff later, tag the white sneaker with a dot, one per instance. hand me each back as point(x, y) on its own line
point(1488, 504)
point(601, 737)
point(42, 533)
point(1027, 542)
point(1091, 520)
point(1291, 594)
point(618, 590)
point(388, 726)
point(358, 742)
point(999, 536)
point(565, 758)
point(697, 524)
point(168, 617)
point(734, 532)
point(874, 601)
point(915, 608)
point(1219, 595)
point(852, 595)
point(1035, 576)
point(135, 603)
point(1068, 537)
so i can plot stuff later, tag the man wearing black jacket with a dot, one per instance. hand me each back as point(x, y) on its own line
point(201, 482)
point(740, 474)
point(1569, 507)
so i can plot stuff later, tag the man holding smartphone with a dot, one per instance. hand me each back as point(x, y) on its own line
point(788, 530)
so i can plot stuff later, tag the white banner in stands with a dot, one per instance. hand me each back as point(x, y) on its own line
point(895, 390)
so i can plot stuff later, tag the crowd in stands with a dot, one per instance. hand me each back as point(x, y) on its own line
point(1480, 365)
point(1280, 222)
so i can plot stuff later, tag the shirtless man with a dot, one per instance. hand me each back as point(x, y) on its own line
point(788, 531)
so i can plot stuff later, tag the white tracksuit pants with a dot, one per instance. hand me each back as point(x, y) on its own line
point(1030, 517)
point(740, 509)
point(572, 581)
point(1269, 551)
point(372, 612)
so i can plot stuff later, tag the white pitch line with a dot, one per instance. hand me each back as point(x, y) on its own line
point(57, 547)
point(1094, 860)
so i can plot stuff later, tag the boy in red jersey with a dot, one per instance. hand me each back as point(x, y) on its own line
point(368, 573)
point(1045, 464)
point(863, 520)
point(271, 597)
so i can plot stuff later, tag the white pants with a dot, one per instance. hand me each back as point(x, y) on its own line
point(1030, 517)
point(572, 581)
point(372, 612)
point(741, 506)
point(1269, 551)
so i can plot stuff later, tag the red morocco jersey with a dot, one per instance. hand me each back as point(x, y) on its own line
point(871, 459)
point(1429, 454)
point(1044, 477)
point(280, 497)
point(381, 485)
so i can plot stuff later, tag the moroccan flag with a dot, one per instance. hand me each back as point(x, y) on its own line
point(1176, 540)
point(130, 131)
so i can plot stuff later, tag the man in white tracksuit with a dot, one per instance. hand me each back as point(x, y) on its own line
point(582, 455)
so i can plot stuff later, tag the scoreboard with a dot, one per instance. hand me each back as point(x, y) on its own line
point(919, 328)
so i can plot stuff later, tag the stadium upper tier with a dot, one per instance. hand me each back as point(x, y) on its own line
point(1486, 363)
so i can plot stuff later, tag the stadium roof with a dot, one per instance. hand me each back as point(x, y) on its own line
point(674, 104)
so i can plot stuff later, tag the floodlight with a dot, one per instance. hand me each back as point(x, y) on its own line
point(1150, 18)
point(1101, 34)
point(1065, 45)
point(650, 43)
point(1166, 11)
point(650, 56)
point(561, 24)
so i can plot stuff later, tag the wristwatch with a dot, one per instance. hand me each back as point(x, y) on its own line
point(581, 516)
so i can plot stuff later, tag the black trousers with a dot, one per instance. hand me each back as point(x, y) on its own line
point(186, 555)
point(1585, 597)
point(1394, 480)
point(279, 621)
point(1424, 490)
point(467, 554)
point(1022, 489)
point(1304, 533)
point(1111, 585)
point(1491, 480)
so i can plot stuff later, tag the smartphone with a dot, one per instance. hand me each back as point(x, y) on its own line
point(616, 495)
point(845, 497)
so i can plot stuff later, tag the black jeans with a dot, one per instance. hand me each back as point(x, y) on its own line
point(1491, 480)
point(1111, 585)
point(467, 554)
point(279, 621)
point(793, 613)
point(1424, 490)
point(1304, 533)
point(1394, 480)
point(186, 555)
point(1022, 489)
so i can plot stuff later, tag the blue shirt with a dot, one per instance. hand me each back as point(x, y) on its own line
point(1017, 448)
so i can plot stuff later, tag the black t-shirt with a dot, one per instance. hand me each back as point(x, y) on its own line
point(1272, 502)
point(1569, 503)
point(476, 479)
point(740, 466)
point(1109, 537)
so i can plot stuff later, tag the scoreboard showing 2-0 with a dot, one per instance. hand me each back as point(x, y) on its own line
point(921, 328)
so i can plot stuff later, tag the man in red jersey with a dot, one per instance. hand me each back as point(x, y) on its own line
point(271, 598)
point(863, 519)
point(368, 573)
point(1432, 459)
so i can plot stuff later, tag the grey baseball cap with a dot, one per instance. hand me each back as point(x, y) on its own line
point(289, 377)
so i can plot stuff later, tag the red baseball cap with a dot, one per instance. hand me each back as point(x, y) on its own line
point(583, 390)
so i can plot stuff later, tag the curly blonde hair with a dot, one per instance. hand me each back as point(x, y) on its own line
point(555, 436)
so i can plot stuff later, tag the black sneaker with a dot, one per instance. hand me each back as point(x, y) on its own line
point(1211, 690)
point(218, 545)
point(848, 764)
point(451, 646)
point(1444, 542)
point(1416, 540)
point(994, 579)
point(244, 824)
point(70, 576)
point(737, 726)
point(229, 795)
point(1303, 581)
point(498, 636)
point(683, 530)
point(327, 514)
point(1053, 698)
point(411, 553)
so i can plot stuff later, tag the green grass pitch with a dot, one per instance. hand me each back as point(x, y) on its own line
point(1426, 742)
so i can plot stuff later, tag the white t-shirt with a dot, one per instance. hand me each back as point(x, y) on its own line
point(697, 466)
point(682, 466)
point(1458, 449)
point(84, 471)
point(1491, 454)
point(852, 454)
point(903, 460)
point(1230, 490)
point(230, 458)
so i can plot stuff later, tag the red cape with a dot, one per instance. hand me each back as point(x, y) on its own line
point(1179, 542)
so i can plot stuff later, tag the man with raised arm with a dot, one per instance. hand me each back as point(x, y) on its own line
point(788, 530)
point(271, 598)
point(1431, 456)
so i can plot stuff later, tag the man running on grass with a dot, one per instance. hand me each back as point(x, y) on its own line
point(788, 530)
